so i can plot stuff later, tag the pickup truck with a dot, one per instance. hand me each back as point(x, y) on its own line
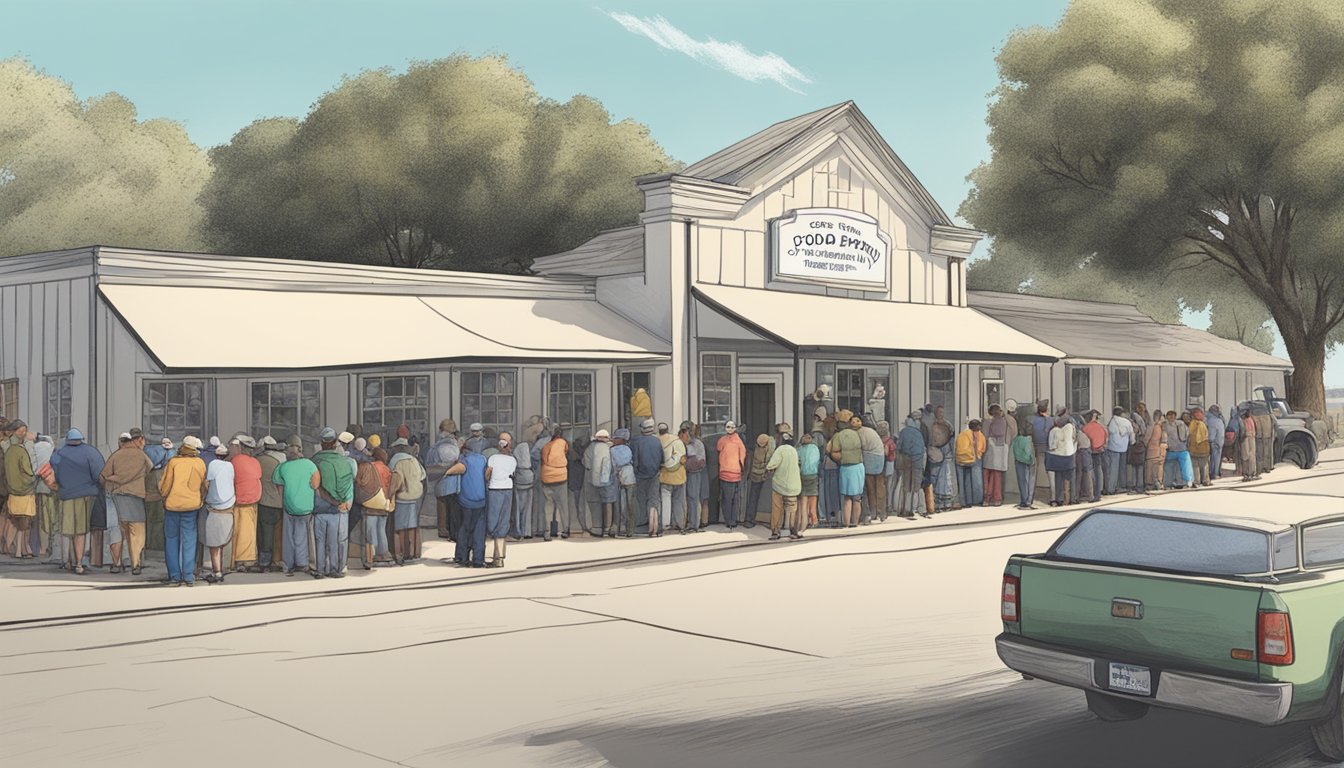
point(1237, 613)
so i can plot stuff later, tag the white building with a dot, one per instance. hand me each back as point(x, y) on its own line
point(807, 254)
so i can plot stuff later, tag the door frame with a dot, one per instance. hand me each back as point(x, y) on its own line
point(984, 399)
point(777, 379)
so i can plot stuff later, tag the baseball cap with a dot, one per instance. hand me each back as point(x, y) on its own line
point(136, 433)
point(646, 427)
point(248, 441)
point(192, 441)
point(268, 442)
point(476, 427)
point(74, 436)
point(327, 434)
point(602, 434)
point(361, 443)
point(124, 436)
point(221, 451)
point(622, 434)
point(345, 437)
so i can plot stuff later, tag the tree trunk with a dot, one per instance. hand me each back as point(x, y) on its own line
point(1308, 390)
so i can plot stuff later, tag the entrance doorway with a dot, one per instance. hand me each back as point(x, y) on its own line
point(991, 393)
point(758, 402)
point(631, 381)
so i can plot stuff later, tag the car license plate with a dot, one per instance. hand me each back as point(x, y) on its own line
point(1131, 679)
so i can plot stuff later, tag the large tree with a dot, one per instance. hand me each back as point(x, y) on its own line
point(457, 163)
point(1183, 137)
point(83, 172)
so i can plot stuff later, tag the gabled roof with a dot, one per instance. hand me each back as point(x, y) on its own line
point(1090, 330)
point(614, 252)
point(736, 164)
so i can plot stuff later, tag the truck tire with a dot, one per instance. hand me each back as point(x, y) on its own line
point(1114, 709)
point(1328, 732)
point(1295, 453)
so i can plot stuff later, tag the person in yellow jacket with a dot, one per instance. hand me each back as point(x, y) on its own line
point(970, 453)
point(640, 405)
point(1199, 447)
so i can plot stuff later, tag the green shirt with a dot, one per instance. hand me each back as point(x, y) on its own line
point(296, 475)
point(18, 471)
point(1024, 450)
point(847, 442)
point(338, 475)
point(788, 477)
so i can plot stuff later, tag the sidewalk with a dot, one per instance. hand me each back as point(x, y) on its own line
point(31, 588)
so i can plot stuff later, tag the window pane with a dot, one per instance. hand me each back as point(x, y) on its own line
point(506, 382)
point(583, 382)
point(422, 386)
point(1148, 542)
point(488, 382)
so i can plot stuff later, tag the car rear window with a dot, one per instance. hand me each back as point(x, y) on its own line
point(1147, 542)
point(1323, 545)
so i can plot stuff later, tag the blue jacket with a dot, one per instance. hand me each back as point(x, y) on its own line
point(648, 456)
point(911, 442)
point(472, 495)
point(1040, 429)
point(77, 468)
point(158, 455)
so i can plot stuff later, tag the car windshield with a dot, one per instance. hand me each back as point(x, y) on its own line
point(1148, 542)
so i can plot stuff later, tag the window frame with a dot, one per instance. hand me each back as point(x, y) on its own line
point(949, 408)
point(552, 408)
point(1129, 402)
point(1073, 404)
point(1203, 387)
point(462, 395)
point(627, 420)
point(381, 426)
point(839, 392)
point(56, 426)
point(707, 423)
point(207, 407)
point(9, 406)
point(259, 430)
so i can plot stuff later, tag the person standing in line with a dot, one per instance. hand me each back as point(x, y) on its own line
point(672, 479)
point(1119, 438)
point(1096, 449)
point(1024, 461)
point(123, 477)
point(578, 508)
point(335, 495)
point(1217, 427)
point(847, 449)
point(874, 465)
point(499, 471)
point(697, 479)
point(828, 498)
point(912, 452)
point(1176, 468)
point(756, 477)
point(271, 508)
point(890, 479)
point(21, 483)
point(1156, 456)
point(523, 480)
point(442, 455)
point(647, 456)
point(6, 526)
point(732, 461)
point(216, 517)
point(159, 453)
point(940, 461)
point(1041, 424)
point(809, 473)
point(555, 486)
point(622, 462)
point(970, 454)
point(41, 451)
point(1199, 449)
point(601, 489)
point(1247, 444)
point(998, 453)
point(247, 497)
point(1063, 449)
point(299, 480)
point(1266, 424)
point(408, 486)
point(786, 485)
point(371, 501)
point(183, 489)
point(77, 466)
point(1136, 458)
point(471, 466)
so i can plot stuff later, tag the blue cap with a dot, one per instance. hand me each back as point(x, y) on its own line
point(74, 436)
point(327, 435)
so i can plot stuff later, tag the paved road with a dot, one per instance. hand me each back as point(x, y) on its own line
point(870, 650)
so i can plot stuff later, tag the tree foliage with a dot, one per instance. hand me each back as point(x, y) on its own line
point(1177, 136)
point(88, 172)
point(457, 163)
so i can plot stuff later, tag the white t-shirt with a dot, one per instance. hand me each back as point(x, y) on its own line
point(502, 466)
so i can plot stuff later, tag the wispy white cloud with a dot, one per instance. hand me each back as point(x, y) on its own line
point(732, 57)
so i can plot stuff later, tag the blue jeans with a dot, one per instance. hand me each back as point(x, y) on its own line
point(295, 552)
point(1216, 458)
point(1187, 469)
point(1115, 467)
point(1098, 474)
point(522, 512)
point(971, 482)
point(375, 533)
point(329, 531)
point(730, 495)
point(1026, 483)
point(471, 542)
point(179, 545)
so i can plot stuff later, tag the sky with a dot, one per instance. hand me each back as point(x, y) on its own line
point(700, 74)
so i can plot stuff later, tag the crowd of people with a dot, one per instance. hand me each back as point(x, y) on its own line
point(257, 505)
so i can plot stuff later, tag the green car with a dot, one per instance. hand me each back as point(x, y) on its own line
point(1237, 613)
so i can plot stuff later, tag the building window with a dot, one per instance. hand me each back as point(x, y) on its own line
point(488, 399)
point(60, 388)
point(631, 381)
point(9, 398)
point(943, 389)
point(390, 401)
point(1128, 388)
point(174, 409)
point(849, 395)
point(1194, 389)
point(571, 400)
point(284, 408)
point(716, 391)
point(1080, 388)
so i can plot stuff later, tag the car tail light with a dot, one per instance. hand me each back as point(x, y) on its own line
point(1011, 598)
point(1274, 638)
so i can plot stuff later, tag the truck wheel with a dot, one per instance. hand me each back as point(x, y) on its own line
point(1114, 709)
point(1294, 453)
point(1328, 733)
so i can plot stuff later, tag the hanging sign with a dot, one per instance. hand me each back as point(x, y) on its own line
point(830, 245)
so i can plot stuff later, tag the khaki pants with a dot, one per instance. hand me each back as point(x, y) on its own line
point(244, 534)
point(133, 540)
point(783, 511)
point(1201, 465)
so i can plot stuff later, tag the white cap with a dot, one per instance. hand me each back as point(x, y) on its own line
point(192, 441)
point(361, 444)
point(124, 436)
point(214, 440)
point(268, 442)
point(345, 438)
point(476, 427)
point(221, 451)
point(602, 434)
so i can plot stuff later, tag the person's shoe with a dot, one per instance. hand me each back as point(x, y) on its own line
point(774, 537)
point(188, 583)
point(136, 570)
point(315, 574)
point(174, 583)
point(337, 575)
point(289, 571)
point(210, 578)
